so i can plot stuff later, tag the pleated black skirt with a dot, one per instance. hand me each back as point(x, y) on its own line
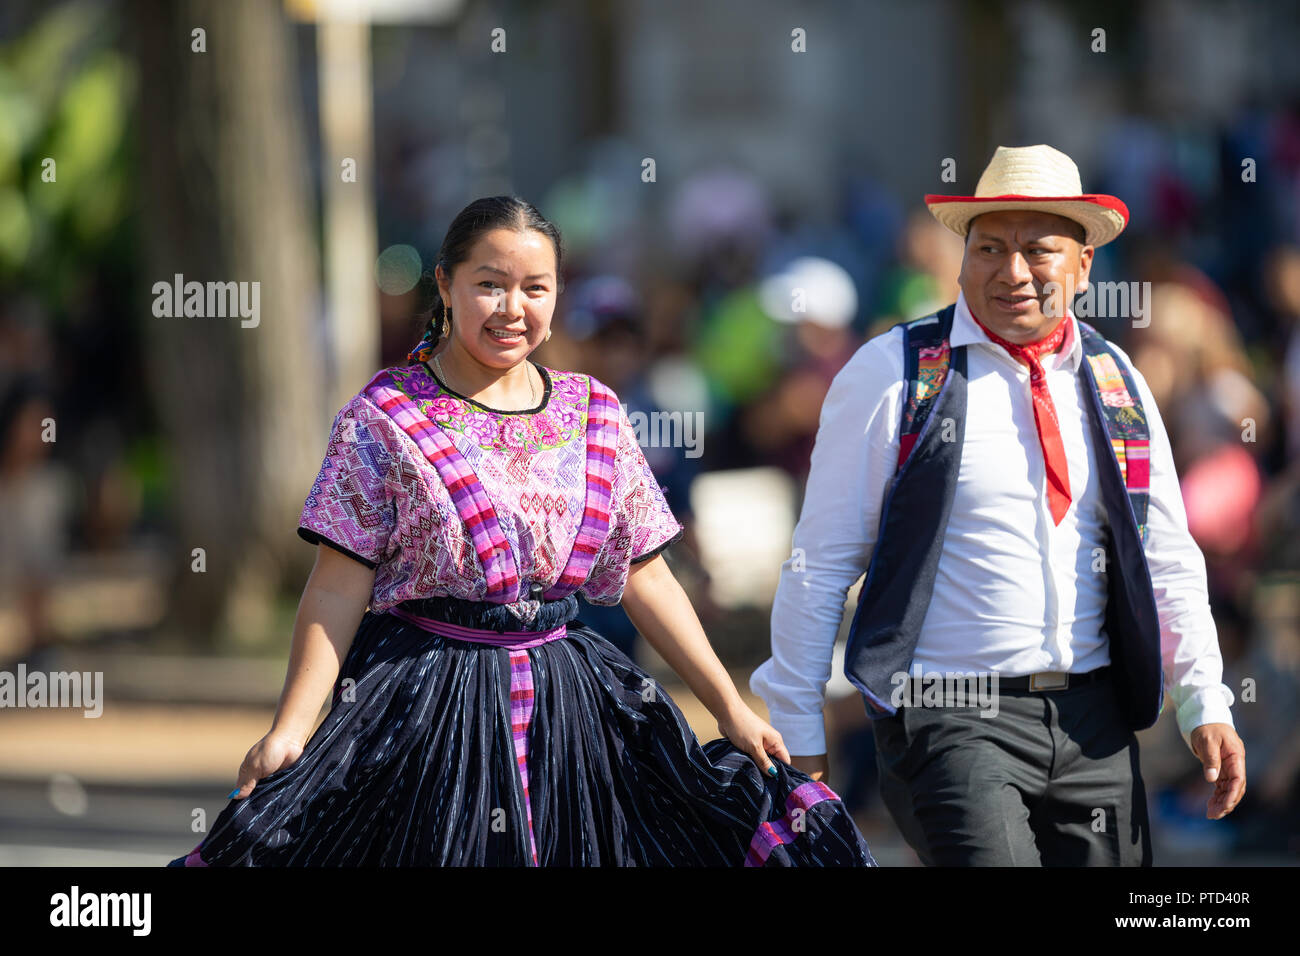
point(446, 752)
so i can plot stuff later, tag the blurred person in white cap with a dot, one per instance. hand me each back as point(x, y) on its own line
point(1001, 473)
point(816, 301)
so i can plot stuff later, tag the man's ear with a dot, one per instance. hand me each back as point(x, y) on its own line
point(1085, 267)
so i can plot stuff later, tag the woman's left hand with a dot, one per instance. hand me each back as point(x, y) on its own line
point(755, 736)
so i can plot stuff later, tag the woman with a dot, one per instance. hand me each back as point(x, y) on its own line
point(475, 721)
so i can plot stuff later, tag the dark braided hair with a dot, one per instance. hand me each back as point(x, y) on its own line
point(479, 217)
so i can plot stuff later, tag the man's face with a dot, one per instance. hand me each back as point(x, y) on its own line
point(1010, 259)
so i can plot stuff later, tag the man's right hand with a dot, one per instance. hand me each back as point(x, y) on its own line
point(815, 766)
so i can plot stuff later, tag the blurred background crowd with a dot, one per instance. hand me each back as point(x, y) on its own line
point(128, 440)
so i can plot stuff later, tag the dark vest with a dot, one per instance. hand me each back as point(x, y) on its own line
point(900, 578)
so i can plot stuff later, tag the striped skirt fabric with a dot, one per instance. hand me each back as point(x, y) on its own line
point(443, 751)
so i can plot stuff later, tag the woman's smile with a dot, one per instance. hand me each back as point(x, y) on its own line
point(505, 336)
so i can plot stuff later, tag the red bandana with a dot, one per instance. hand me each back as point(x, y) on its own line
point(1049, 429)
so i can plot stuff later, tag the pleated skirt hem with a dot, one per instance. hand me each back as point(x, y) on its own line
point(442, 752)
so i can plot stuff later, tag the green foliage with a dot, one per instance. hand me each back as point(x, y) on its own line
point(65, 190)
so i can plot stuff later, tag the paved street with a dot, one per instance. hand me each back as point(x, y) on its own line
point(120, 789)
point(98, 824)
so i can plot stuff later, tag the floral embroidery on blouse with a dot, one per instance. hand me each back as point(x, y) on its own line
point(562, 420)
point(378, 499)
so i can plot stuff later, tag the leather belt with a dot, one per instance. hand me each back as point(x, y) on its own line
point(1052, 680)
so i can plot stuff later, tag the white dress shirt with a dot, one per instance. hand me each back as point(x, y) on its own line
point(1015, 593)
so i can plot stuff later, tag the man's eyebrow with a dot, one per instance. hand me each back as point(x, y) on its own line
point(1047, 239)
point(502, 272)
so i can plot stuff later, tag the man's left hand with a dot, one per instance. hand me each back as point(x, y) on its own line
point(1223, 755)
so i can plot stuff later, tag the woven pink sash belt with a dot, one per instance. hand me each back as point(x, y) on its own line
point(515, 640)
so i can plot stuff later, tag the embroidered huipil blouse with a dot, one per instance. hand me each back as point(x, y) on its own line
point(444, 496)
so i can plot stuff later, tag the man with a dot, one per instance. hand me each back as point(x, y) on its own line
point(1023, 541)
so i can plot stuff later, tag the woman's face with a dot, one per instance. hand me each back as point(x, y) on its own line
point(502, 297)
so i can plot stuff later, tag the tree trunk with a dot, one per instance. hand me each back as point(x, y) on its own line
point(227, 197)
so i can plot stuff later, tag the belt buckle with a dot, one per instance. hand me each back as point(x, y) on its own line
point(1049, 680)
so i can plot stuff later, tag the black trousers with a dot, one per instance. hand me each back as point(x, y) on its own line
point(1051, 780)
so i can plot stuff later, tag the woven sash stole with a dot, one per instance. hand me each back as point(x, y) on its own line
point(602, 442)
point(471, 501)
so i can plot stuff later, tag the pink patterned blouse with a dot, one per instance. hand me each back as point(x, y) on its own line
point(444, 496)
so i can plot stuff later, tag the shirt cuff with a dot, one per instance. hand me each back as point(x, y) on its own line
point(1209, 705)
point(804, 735)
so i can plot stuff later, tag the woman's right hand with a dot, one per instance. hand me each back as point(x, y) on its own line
point(275, 751)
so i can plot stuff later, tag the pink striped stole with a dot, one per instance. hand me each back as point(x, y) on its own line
point(771, 834)
point(521, 716)
point(471, 501)
point(474, 507)
point(602, 443)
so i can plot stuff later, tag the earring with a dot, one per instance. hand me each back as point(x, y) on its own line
point(443, 331)
point(548, 335)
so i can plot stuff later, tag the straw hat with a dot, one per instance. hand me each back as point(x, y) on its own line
point(1039, 178)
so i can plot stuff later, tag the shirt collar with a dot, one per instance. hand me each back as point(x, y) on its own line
point(966, 332)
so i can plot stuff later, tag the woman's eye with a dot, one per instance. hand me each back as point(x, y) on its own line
point(489, 283)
